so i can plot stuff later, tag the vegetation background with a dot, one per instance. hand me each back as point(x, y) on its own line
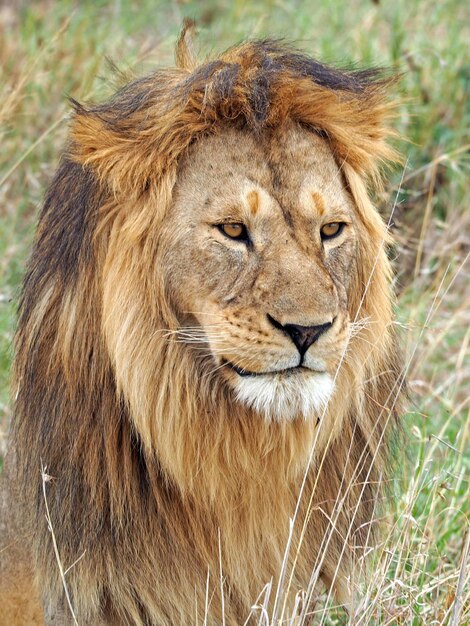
point(51, 50)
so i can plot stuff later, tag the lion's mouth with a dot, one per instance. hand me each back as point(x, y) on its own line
point(298, 369)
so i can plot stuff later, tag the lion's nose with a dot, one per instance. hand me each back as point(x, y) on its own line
point(302, 336)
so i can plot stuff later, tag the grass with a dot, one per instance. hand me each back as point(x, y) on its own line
point(52, 49)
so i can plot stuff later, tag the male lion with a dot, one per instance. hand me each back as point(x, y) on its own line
point(206, 365)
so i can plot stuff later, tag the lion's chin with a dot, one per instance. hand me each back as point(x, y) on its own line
point(279, 397)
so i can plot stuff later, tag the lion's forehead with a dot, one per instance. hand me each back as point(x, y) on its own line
point(293, 168)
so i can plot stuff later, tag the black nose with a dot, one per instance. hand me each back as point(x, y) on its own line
point(302, 336)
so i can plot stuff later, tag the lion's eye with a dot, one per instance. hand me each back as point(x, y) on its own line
point(234, 231)
point(328, 231)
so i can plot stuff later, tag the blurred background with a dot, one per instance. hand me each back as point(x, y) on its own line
point(51, 50)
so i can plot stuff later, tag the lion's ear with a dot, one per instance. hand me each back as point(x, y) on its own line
point(128, 142)
point(185, 54)
point(116, 158)
point(95, 145)
point(358, 125)
point(141, 130)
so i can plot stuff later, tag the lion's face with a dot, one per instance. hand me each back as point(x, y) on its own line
point(259, 264)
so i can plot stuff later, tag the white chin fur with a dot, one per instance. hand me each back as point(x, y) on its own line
point(285, 397)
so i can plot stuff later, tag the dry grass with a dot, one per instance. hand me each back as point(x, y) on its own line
point(421, 567)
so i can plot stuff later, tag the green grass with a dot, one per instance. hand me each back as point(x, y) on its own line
point(52, 49)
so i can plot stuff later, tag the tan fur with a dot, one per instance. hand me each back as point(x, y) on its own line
point(135, 301)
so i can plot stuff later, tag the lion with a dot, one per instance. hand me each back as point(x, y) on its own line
point(207, 373)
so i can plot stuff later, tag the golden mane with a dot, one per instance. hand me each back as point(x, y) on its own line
point(147, 450)
point(258, 84)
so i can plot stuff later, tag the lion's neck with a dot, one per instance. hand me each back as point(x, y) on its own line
point(207, 443)
point(238, 474)
point(243, 483)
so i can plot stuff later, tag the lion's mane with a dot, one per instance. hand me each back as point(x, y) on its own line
point(146, 455)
